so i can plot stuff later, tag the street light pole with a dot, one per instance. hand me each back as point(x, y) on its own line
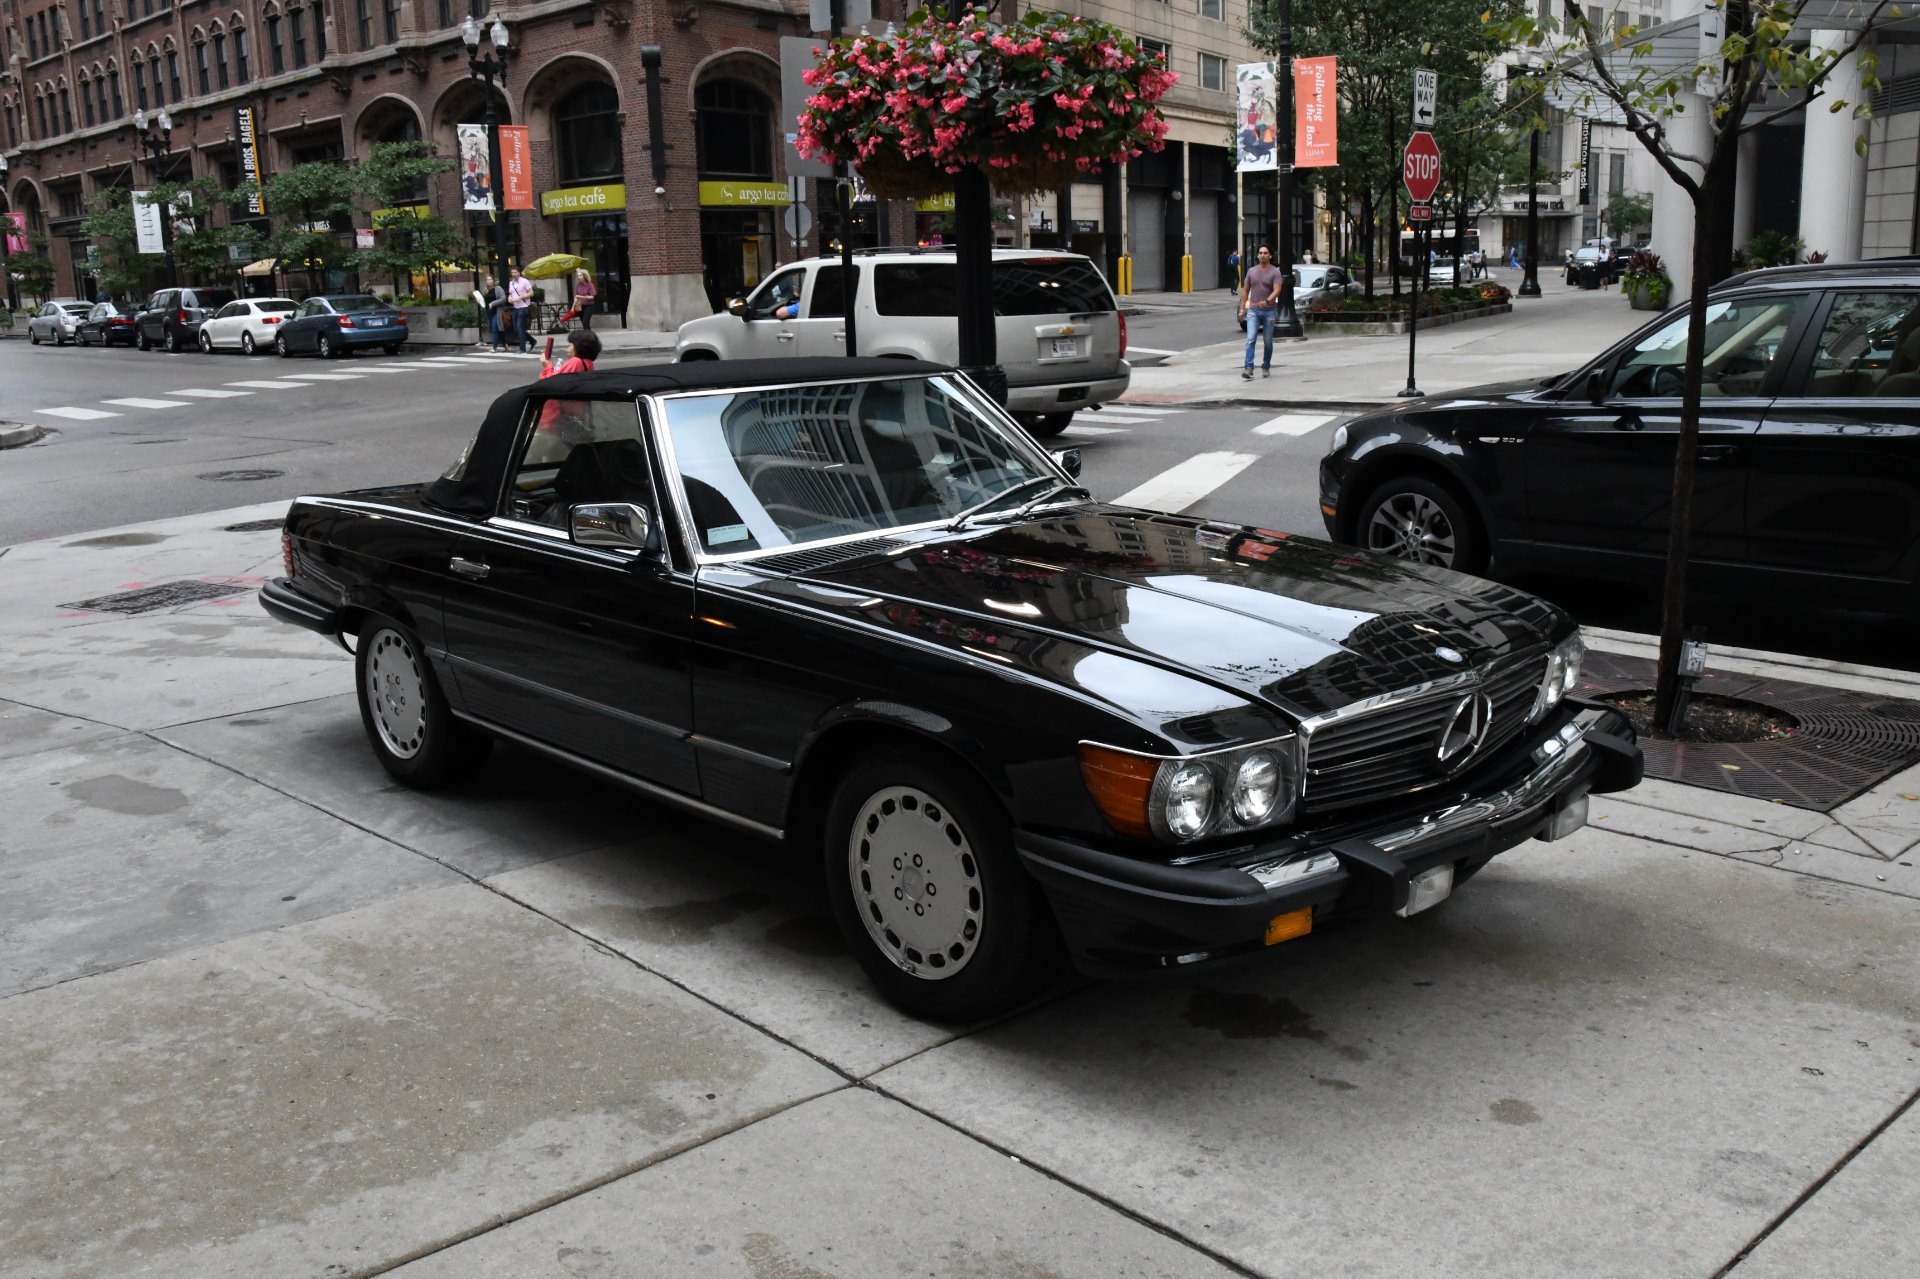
point(158, 145)
point(1286, 324)
point(1530, 282)
point(487, 70)
point(6, 243)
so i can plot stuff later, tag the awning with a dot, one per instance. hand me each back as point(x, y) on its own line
point(263, 267)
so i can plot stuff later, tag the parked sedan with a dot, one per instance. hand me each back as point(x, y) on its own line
point(247, 323)
point(1312, 282)
point(340, 324)
point(56, 320)
point(171, 318)
point(106, 324)
point(1808, 474)
point(1589, 267)
point(850, 606)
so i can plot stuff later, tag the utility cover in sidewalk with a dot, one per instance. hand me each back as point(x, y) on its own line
point(1844, 743)
point(150, 599)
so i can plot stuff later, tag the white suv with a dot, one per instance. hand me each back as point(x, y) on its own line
point(1059, 336)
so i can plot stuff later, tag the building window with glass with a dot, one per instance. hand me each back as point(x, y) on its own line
point(220, 57)
point(173, 73)
point(297, 32)
point(203, 69)
point(139, 83)
point(242, 62)
point(1213, 71)
point(733, 138)
point(276, 58)
point(66, 110)
point(113, 84)
point(1215, 9)
point(365, 14)
point(391, 20)
point(86, 107)
point(153, 67)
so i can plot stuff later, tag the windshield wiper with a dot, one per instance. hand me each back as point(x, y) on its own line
point(961, 519)
point(1052, 494)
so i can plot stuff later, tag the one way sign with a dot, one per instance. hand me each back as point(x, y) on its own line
point(1426, 97)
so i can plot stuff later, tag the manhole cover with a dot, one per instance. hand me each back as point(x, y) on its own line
point(242, 475)
point(253, 526)
point(149, 599)
point(1843, 744)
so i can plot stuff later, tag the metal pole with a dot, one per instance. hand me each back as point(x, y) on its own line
point(1286, 324)
point(843, 202)
point(973, 269)
point(1412, 390)
point(494, 178)
point(1530, 282)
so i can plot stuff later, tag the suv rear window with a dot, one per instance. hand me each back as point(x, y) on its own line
point(1032, 286)
point(210, 298)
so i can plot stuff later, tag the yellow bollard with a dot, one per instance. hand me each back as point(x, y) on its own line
point(1186, 274)
point(1125, 280)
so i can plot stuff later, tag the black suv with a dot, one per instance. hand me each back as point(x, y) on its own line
point(171, 317)
point(1808, 476)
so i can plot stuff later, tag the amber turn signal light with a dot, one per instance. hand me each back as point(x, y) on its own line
point(1295, 923)
point(1119, 784)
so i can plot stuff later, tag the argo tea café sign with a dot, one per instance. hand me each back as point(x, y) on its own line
point(603, 198)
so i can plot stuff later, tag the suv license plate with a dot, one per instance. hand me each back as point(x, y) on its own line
point(1065, 346)
point(1428, 888)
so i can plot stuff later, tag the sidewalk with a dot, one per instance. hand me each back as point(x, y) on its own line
point(268, 1013)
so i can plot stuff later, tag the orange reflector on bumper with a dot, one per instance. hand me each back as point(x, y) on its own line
point(1295, 923)
point(1329, 511)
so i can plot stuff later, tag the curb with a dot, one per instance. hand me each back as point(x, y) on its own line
point(13, 435)
point(1330, 407)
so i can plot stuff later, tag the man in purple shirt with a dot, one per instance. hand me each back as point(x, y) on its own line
point(520, 297)
point(1259, 308)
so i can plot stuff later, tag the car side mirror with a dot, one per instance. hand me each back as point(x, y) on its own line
point(1596, 388)
point(737, 306)
point(1069, 460)
point(621, 526)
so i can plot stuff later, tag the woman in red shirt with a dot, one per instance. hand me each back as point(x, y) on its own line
point(585, 348)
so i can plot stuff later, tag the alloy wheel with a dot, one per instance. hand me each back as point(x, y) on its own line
point(1412, 526)
point(206, 343)
point(396, 691)
point(916, 884)
point(246, 344)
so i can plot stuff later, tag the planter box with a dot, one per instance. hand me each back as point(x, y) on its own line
point(1640, 298)
point(424, 329)
point(1375, 324)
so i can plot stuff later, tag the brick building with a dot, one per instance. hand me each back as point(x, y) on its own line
point(670, 231)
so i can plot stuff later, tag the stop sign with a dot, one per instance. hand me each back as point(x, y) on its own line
point(1420, 166)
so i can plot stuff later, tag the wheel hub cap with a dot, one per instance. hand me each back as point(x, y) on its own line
point(1412, 526)
point(916, 882)
point(396, 694)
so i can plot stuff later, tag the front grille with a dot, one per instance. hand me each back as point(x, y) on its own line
point(1386, 753)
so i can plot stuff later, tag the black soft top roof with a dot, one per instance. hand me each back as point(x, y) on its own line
point(478, 487)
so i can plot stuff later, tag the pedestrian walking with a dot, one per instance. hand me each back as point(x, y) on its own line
point(492, 301)
point(1233, 269)
point(520, 298)
point(584, 296)
point(1259, 302)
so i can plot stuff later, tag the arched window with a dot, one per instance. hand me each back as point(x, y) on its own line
point(173, 72)
point(733, 130)
point(202, 68)
point(86, 104)
point(153, 69)
point(139, 70)
point(86, 22)
point(276, 57)
point(297, 35)
point(242, 58)
point(113, 85)
point(220, 56)
point(40, 109)
point(319, 31)
point(66, 109)
point(100, 92)
point(587, 139)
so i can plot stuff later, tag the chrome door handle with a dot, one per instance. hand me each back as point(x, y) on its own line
point(1714, 452)
point(468, 568)
point(784, 337)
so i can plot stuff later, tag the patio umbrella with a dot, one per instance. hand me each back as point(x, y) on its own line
point(552, 266)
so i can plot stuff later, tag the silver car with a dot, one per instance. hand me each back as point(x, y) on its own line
point(1060, 337)
point(55, 321)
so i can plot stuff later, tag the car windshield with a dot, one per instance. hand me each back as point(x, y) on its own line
point(356, 304)
point(1587, 255)
point(765, 469)
point(277, 308)
point(1309, 277)
point(75, 308)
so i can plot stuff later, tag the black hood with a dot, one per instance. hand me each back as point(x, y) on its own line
point(1297, 623)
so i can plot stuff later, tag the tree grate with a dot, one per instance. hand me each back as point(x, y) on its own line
point(1846, 742)
point(151, 599)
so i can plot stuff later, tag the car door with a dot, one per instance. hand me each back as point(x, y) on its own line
point(822, 327)
point(306, 331)
point(224, 328)
point(765, 332)
point(579, 647)
point(152, 322)
point(1600, 469)
point(1836, 476)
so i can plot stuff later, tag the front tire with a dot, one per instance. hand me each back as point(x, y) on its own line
point(33, 338)
point(1421, 520)
point(413, 733)
point(280, 347)
point(206, 343)
point(926, 889)
point(140, 340)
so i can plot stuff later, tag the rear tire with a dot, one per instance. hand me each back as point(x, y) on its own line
point(324, 346)
point(413, 733)
point(1424, 521)
point(927, 891)
point(1045, 426)
point(246, 344)
point(171, 337)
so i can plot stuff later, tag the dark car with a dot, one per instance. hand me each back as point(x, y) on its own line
point(1808, 472)
point(171, 318)
point(1589, 267)
point(339, 324)
point(851, 606)
point(106, 323)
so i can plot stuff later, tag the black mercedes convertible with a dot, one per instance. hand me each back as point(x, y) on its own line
point(851, 606)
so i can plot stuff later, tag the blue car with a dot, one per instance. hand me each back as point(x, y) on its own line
point(339, 324)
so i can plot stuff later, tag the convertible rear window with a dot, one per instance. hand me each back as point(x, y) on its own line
point(767, 469)
point(1031, 286)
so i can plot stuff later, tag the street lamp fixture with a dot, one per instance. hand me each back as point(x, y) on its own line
point(154, 136)
point(487, 70)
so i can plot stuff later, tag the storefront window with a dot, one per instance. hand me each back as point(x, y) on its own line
point(587, 139)
point(734, 130)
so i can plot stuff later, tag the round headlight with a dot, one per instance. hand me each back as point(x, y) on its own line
point(1189, 800)
point(1256, 788)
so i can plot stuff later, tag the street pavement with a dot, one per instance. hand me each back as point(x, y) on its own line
point(268, 1013)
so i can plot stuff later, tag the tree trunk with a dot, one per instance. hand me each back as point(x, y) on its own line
point(1367, 238)
point(1673, 605)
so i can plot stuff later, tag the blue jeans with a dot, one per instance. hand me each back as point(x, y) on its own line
point(1260, 320)
point(520, 326)
point(493, 326)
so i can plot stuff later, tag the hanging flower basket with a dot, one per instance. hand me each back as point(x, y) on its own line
point(1037, 104)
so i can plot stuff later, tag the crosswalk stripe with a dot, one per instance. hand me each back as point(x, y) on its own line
point(1077, 429)
point(78, 415)
point(270, 386)
point(1127, 418)
point(325, 377)
point(1292, 424)
point(388, 368)
point(1147, 350)
point(138, 402)
point(1125, 407)
point(206, 393)
point(1187, 483)
point(455, 359)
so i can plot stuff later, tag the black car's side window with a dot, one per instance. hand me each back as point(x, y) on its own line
point(1743, 337)
point(1869, 345)
point(575, 451)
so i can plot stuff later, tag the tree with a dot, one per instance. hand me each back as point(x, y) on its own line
point(304, 201)
point(199, 248)
point(124, 271)
point(393, 178)
point(1628, 211)
point(34, 268)
point(1752, 75)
